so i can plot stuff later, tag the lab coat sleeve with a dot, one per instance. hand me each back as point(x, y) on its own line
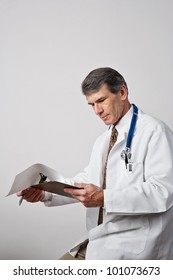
point(58, 200)
point(153, 193)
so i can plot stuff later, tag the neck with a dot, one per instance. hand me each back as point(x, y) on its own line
point(126, 108)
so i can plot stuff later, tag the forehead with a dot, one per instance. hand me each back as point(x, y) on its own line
point(103, 92)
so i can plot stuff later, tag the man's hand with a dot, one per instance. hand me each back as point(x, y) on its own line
point(88, 194)
point(32, 194)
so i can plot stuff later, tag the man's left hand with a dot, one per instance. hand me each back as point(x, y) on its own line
point(88, 194)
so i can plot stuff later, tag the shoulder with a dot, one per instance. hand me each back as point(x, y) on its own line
point(150, 123)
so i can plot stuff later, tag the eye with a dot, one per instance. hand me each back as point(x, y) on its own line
point(91, 104)
point(101, 100)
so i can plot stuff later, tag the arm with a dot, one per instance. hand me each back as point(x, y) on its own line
point(33, 195)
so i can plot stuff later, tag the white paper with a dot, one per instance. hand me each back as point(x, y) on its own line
point(31, 176)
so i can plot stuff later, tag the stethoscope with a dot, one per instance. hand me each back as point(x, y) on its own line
point(126, 153)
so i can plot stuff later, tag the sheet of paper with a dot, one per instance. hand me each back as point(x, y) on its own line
point(31, 177)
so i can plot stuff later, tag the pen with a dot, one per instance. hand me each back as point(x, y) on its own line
point(42, 180)
point(21, 199)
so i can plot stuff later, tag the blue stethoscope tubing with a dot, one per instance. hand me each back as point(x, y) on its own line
point(126, 153)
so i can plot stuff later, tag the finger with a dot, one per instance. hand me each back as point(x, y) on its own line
point(33, 195)
point(80, 185)
point(23, 192)
point(28, 193)
point(19, 193)
point(75, 192)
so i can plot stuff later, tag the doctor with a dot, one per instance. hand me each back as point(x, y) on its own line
point(128, 190)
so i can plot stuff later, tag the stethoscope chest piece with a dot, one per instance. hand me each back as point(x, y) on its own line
point(126, 153)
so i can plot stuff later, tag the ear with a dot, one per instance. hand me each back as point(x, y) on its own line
point(124, 92)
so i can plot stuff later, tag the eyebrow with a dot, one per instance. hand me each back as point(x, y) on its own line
point(98, 100)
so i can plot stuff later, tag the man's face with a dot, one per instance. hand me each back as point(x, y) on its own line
point(108, 106)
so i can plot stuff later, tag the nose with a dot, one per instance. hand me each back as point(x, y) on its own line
point(98, 108)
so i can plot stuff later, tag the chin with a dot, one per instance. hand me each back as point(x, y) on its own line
point(108, 123)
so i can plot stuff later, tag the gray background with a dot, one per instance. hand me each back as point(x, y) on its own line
point(47, 47)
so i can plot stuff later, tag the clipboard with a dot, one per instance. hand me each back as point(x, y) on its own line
point(55, 187)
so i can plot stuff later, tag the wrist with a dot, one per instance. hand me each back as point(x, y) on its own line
point(46, 196)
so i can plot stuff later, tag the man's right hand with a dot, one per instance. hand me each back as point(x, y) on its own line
point(32, 194)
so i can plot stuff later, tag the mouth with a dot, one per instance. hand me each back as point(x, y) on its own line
point(104, 117)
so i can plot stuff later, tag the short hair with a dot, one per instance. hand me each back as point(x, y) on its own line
point(103, 76)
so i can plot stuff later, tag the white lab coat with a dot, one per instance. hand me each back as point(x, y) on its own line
point(138, 212)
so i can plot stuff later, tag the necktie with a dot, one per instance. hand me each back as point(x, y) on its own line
point(112, 141)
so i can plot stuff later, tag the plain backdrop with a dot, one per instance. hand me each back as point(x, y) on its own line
point(47, 47)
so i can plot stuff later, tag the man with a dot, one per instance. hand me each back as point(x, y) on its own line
point(129, 194)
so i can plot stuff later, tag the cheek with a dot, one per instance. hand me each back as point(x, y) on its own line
point(116, 114)
point(118, 109)
point(114, 111)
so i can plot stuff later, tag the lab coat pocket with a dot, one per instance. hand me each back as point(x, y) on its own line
point(127, 234)
point(135, 173)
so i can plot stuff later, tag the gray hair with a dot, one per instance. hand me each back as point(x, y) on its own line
point(103, 76)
